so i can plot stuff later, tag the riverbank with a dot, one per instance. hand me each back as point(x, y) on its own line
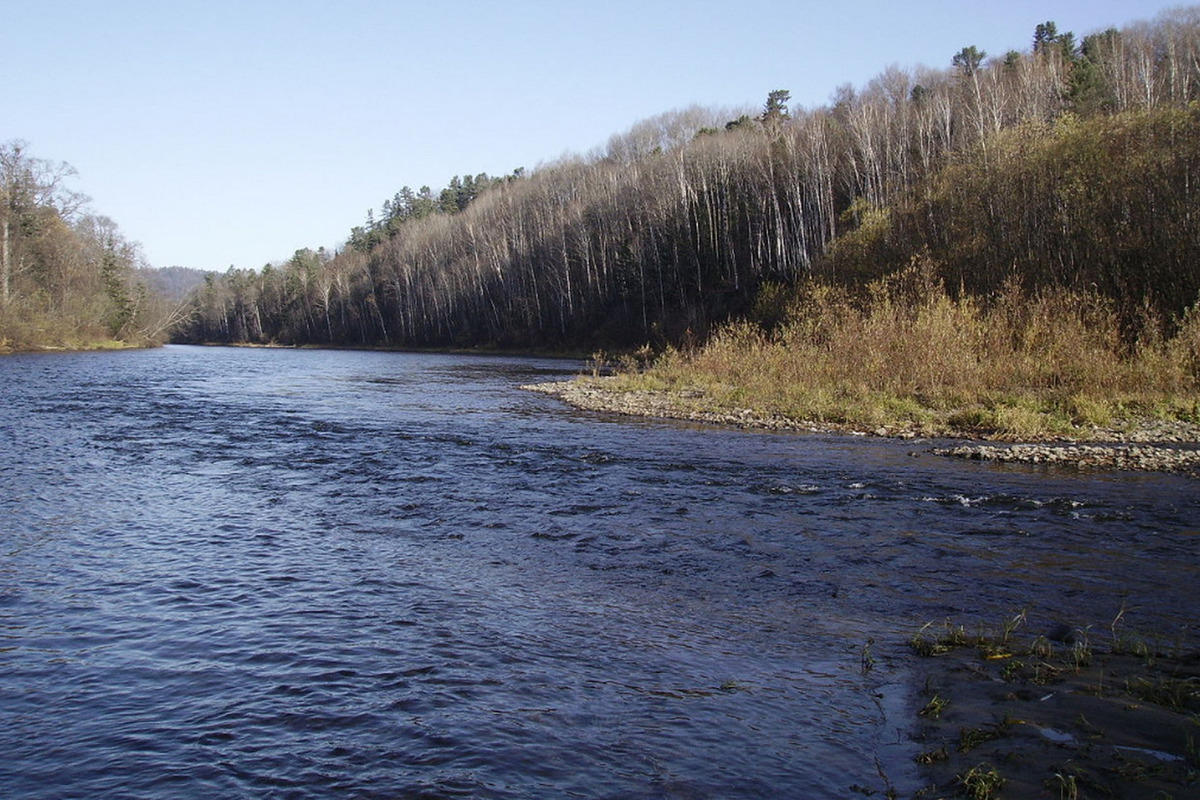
point(1145, 445)
point(7, 349)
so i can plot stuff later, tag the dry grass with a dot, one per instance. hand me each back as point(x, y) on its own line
point(907, 353)
point(25, 327)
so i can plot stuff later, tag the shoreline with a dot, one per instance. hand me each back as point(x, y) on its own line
point(101, 346)
point(570, 355)
point(1152, 446)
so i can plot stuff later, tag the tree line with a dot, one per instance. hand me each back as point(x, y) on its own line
point(68, 276)
point(1070, 163)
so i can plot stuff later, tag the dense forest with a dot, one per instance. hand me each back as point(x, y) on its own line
point(68, 277)
point(1073, 163)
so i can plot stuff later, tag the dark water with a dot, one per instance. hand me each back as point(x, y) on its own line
point(247, 573)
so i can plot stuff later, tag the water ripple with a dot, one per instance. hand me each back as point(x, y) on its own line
point(231, 573)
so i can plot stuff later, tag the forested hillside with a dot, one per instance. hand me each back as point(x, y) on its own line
point(1071, 164)
point(172, 284)
point(67, 276)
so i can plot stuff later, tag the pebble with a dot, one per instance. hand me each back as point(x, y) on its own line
point(1162, 446)
point(1146, 458)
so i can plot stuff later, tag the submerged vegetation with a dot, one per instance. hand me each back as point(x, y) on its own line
point(1066, 712)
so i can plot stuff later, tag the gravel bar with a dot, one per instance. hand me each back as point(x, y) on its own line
point(1157, 446)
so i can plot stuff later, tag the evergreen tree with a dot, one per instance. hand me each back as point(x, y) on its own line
point(776, 111)
point(969, 60)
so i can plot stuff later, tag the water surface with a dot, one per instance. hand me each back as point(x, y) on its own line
point(302, 574)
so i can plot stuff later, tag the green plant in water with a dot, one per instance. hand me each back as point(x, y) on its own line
point(1044, 673)
point(982, 782)
point(934, 708)
point(866, 659)
point(1118, 641)
point(933, 756)
point(970, 738)
point(1042, 647)
point(952, 636)
point(1068, 787)
point(923, 646)
point(1080, 654)
point(1178, 694)
point(1132, 769)
point(992, 649)
point(1089, 730)
point(1012, 670)
point(1123, 644)
point(1011, 625)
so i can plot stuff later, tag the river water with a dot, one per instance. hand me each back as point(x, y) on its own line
point(300, 574)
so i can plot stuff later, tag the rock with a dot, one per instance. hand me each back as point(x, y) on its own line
point(1147, 458)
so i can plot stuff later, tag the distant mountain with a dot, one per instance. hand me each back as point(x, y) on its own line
point(172, 283)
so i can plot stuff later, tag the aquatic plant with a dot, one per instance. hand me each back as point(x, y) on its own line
point(866, 659)
point(981, 782)
point(970, 738)
point(1071, 663)
point(934, 708)
point(1068, 786)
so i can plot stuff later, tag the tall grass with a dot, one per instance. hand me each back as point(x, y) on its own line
point(906, 352)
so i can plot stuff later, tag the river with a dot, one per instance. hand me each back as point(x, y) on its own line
point(305, 574)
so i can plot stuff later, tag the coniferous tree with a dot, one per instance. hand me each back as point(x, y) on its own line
point(676, 223)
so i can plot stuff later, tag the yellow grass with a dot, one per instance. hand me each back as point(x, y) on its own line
point(909, 354)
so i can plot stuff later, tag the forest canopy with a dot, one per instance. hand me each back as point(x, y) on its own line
point(1069, 164)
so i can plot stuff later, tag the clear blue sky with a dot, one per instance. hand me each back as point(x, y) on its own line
point(223, 132)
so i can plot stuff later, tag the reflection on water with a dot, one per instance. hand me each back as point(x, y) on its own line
point(305, 574)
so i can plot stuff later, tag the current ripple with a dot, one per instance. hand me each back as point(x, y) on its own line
point(299, 574)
